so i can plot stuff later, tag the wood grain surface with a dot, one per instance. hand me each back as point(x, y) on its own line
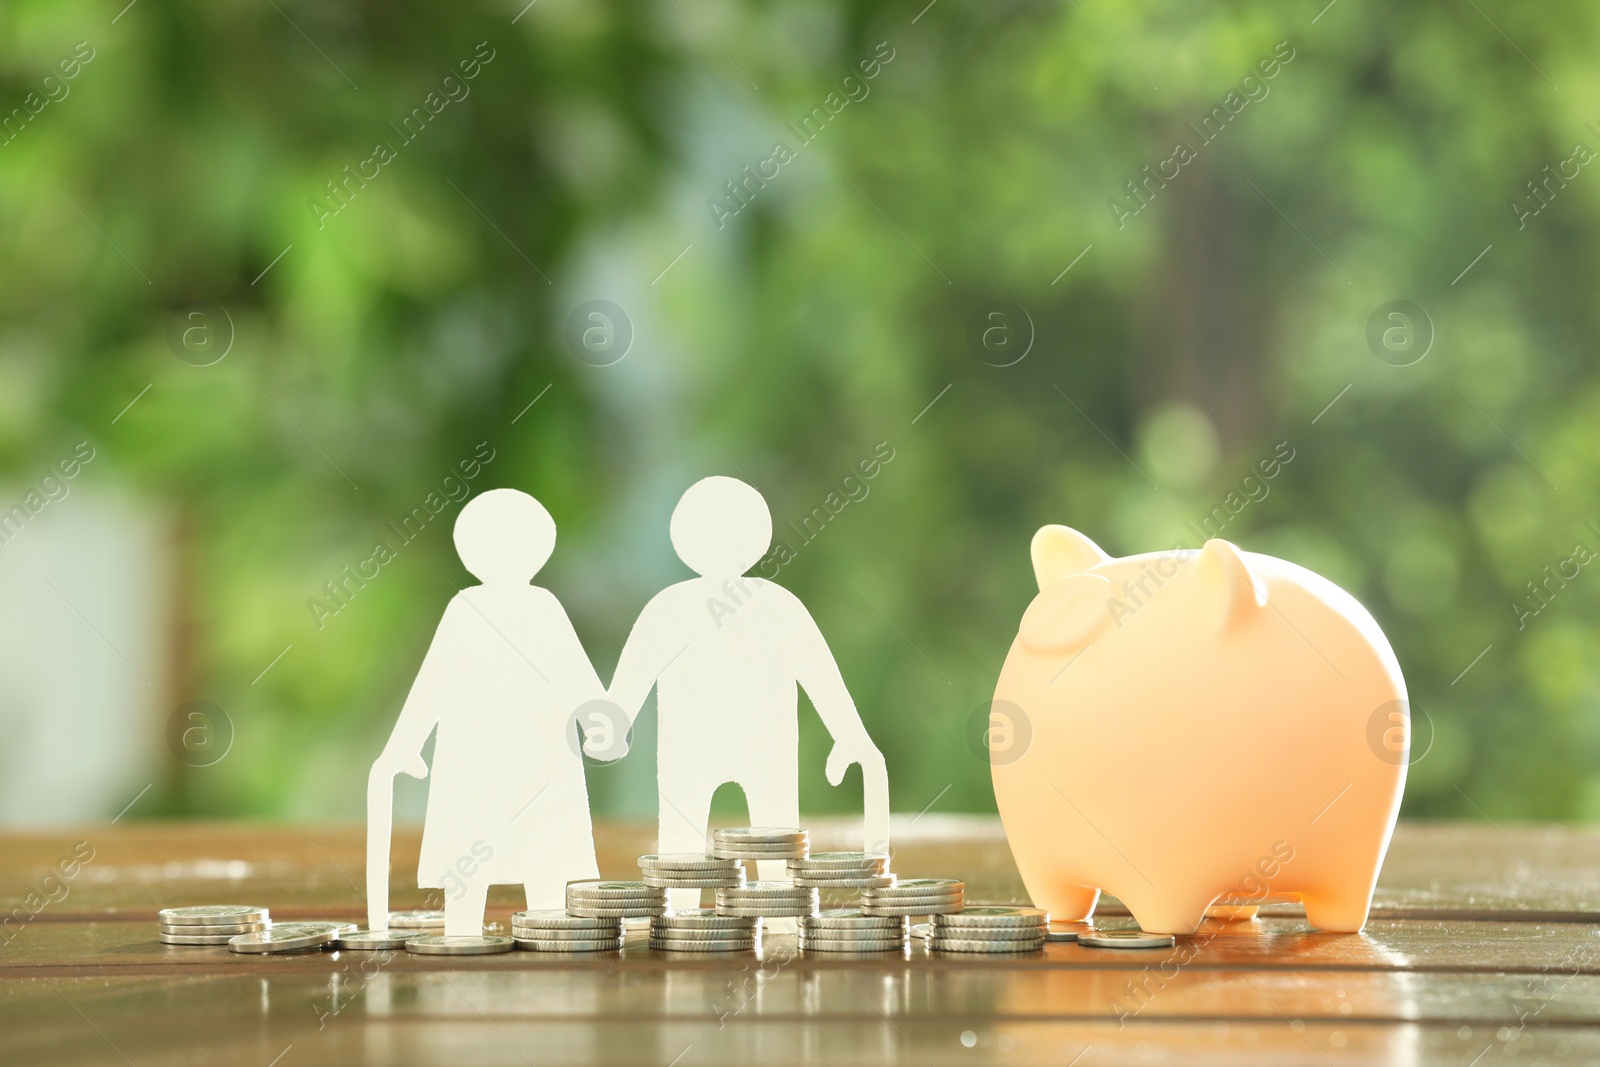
point(1484, 946)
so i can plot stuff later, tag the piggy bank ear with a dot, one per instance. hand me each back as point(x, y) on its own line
point(1059, 551)
point(1067, 614)
point(1229, 592)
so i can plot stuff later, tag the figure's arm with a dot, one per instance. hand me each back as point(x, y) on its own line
point(403, 754)
point(652, 645)
point(818, 674)
point(429, 693)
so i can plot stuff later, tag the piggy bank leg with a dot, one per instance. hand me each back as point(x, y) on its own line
point(1164, 913)
point(1340, 910)
point(1064, 902)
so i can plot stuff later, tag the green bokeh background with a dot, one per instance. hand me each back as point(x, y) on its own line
point(789, 339)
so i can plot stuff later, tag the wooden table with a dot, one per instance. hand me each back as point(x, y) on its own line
point(1484, 945)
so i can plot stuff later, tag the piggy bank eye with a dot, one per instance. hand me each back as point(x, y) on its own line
point(1067, 614)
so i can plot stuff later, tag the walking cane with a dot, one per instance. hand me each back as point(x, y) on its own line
point(380, 825)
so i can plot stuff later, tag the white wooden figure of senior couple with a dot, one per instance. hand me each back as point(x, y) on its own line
point(506, 674)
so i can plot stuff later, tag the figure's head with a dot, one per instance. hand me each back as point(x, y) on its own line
point(504, 536)
point(721, 528)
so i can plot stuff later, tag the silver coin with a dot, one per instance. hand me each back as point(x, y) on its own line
point(767, 889)
point(525, 933)
point(921, 929)
point(839, 944)
point(377, 940)
point(443, 945)
point(698, 933)
point(196, 930)
point(835, 934)
point(594, 891)
point(670, 880)
point(911, 909)
point(953, 944)
point(415, 920)
point(684, 861)
point(769, 911)
point(990, 916)
point(893, 896)
point(746, 854)
point(1012, 933)
point(703, 919)
point(845, 861)
point(864, 881)
point(609, 944)
point(1124, 939)
point(552, 919)
point(759, 835)
point(194, 939)
point(868, 902)
point(930, 885)
point(212, 915)
point(663, 944)
point(617, 911)
point(289, 937)
point(851, 918)
point(1054, 935)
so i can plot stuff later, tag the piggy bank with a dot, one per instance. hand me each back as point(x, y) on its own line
point(1204, 728)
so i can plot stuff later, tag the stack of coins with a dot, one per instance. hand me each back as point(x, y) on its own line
point(914, 896)
point(842, 870)
point(774, 899)
point(689, 870)
point(210, 924)
point(704, 930)
point(847, 930)
point(290, 937)
point(556, 931)
point(986, 929)
point(760, 843)
point(615, 900)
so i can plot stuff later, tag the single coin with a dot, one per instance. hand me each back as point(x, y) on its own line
point(981, 933)
point(867, 881)
point(212, 915)
point(357, 940)
point(194, 939)
point(289, 937)
point(525, 933)
point(768, 911)
point(851, 918)
point(835, 944)
point(552, 919)
point(989, 915)
point(852, 935)
point(442, 945)
point(842, 861)
point(703, 919)
point(1124, 939)
point(608, 944)
point(591, 891)
point(1053, 935)
point(415, 920)
point(673, 880)
point(617, 911)
point(952, 944)
point(924, 908)
point(889, 896)
point(684, 861)
point(664, 944)
point(196, 930)
point(759, 835)
point(767, 889)
point(921, 929)
point(873, 901)
point(930, 885)
point(748, 928)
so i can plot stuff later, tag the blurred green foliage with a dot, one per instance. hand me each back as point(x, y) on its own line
point(1221, 311)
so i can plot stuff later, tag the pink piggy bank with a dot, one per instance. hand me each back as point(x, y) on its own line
point(1197, 728)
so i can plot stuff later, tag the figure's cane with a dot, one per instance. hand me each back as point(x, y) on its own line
point(380, 825)
point(875, 804)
